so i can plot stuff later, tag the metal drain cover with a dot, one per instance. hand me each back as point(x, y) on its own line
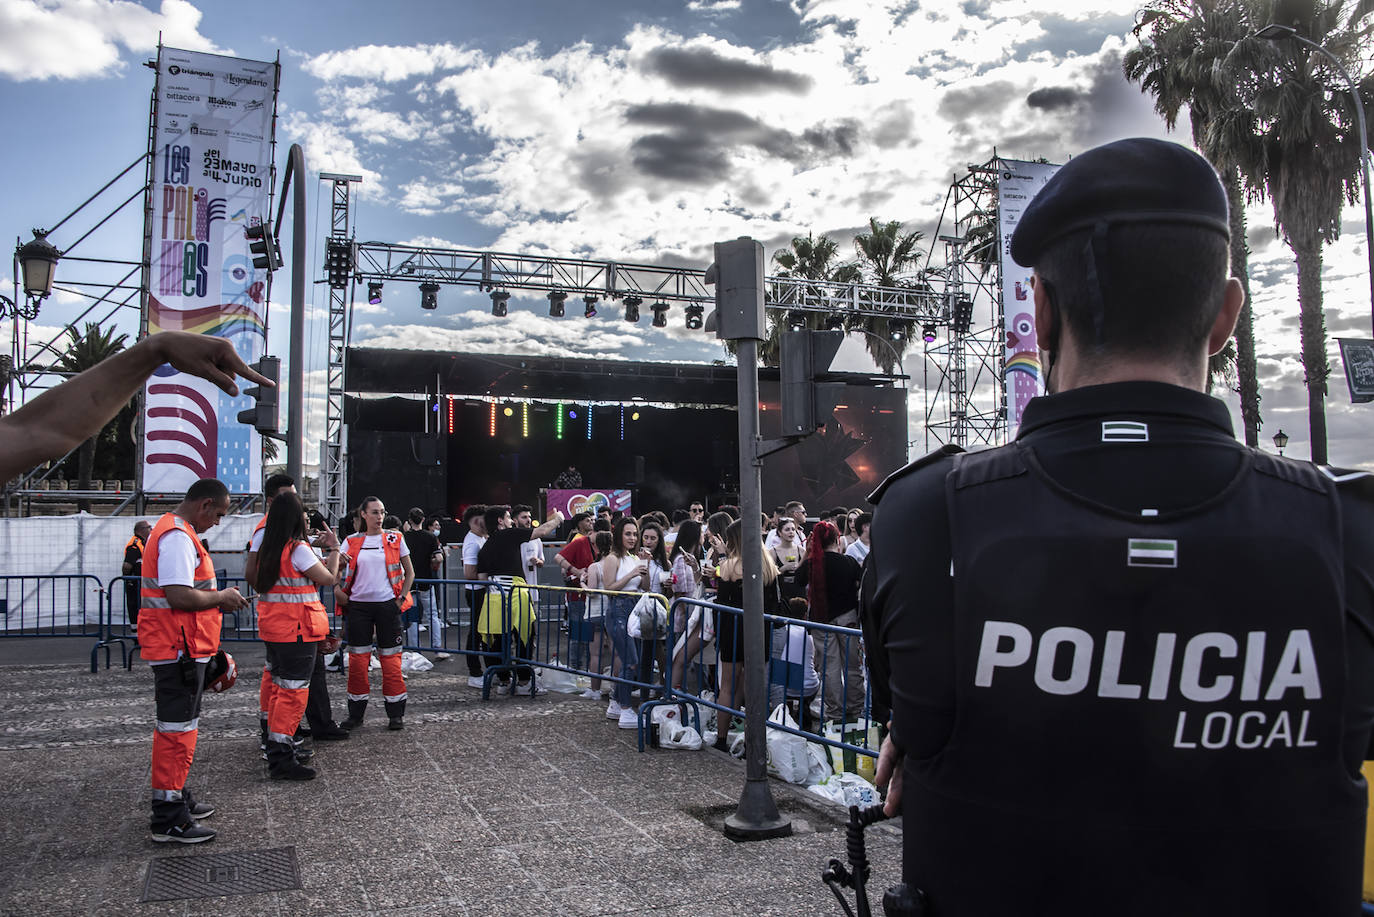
point(239, 872)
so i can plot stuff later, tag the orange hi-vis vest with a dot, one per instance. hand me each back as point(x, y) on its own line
point(165, 632)
point(395, 573)
point(292, 608)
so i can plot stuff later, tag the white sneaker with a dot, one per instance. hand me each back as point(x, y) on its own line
point(474, 681)
point(441, 656)
point(613, 711)
point(590, 694)
point(629, 718)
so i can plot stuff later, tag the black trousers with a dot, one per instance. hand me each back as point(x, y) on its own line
point(318, 711)
point(367, 618)
point(472, 645)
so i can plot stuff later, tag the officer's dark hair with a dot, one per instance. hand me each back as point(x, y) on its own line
point(476, 509)
point(276, 482)
point(1162, 289)
point(285, 523)
point(492, 517)
point(207, 489)
point(861, 522)
point(416, 516)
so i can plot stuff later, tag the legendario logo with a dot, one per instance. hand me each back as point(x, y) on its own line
point(233, 79)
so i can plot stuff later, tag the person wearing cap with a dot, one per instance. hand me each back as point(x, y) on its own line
point(1131, 659)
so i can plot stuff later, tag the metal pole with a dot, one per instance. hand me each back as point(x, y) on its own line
point(757, 816)
point(295, 410)
point(1364, 158)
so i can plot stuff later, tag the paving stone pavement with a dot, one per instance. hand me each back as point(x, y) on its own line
point(520, 806)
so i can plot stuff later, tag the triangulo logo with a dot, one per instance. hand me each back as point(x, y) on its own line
point(176, 70)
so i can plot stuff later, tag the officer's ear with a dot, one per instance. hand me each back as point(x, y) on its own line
point(1233, 298)
point(1046, 315)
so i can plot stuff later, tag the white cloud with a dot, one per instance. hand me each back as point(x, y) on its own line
point(328, 148)
point(78, 39)
point(389, 63)
point(714, 7)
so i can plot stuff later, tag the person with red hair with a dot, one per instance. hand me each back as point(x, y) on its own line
point(832, 588)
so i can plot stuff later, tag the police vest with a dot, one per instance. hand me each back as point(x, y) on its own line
point(292, 608)
point(1148, 705)
point(164, 631)
point(395, 572)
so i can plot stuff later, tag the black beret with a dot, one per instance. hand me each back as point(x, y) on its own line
point(1140, 180)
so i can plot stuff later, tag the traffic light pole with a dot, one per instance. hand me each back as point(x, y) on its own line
point(295, 406)
point(738, 278)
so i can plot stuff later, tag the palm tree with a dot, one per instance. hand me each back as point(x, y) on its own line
point(885, 253)
point(84, 351)
point(809, 258)
point(1184, 58)
point(1307, 158)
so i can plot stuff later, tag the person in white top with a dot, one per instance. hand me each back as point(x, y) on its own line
point(859, 548)
point(472, 544)
point(623, 571)
point(796, 511)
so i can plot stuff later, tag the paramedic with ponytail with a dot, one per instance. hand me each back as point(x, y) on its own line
point(292, 623)
point(1132, 660)
point(376, 590)
point(179, 624)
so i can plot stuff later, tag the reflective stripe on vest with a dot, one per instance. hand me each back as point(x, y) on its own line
point(285, 610)
point(395, 571)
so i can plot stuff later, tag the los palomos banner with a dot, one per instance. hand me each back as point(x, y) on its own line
point(212, 176)
point(1018, 182)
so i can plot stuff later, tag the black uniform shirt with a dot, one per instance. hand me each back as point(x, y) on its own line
point(1190, 454)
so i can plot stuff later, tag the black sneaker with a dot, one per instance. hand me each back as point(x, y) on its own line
point(293, 771)
point(350, 723)
point(395, 723)
point(331, 733)
point(198, 810)
point(189, 833)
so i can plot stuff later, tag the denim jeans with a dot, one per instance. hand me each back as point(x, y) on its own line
point(617, 624)
point(424, 601)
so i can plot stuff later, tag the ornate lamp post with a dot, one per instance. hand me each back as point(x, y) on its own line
point(1280, 441)
point(37, 262)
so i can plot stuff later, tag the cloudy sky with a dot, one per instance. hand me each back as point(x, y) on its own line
point(629, 131)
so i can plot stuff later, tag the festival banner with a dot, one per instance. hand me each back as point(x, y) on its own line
point(1018, 182)
point(212, 178)
point(587, 500)
point(1358, 357)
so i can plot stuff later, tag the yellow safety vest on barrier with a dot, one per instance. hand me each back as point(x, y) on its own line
point(521, 613)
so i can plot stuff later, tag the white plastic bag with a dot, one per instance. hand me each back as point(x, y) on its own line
point(847, 790)
point(414, 662)
point(819, 769)
point(557, 680)
point(788, 758)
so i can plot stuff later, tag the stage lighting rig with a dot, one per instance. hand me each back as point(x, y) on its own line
point(694, 314)
point(374, 292)
point(796, 320)
point(429, 295)
point(898, 329)
point(928, 333)
point(338, 263)
point(556, 300)
point(660, 314)
point(834, 321)
point(963, 316)
point(589, 308)
point(632, 304)
point(499, 298)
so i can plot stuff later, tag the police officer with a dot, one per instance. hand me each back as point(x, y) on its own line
point(1130, 658)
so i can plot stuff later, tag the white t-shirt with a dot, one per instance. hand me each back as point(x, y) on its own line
point(177, 559)
point(858, 550)
point(528, 552)
point(774, 539)
point(255, 543)
point(304, 556)
point(371, 583)
point(472, 543)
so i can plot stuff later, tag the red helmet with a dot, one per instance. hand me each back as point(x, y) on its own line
point(221, 673)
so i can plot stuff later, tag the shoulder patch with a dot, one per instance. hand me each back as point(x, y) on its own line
point(1293, 471)
point(944, 452)
point(989, 465)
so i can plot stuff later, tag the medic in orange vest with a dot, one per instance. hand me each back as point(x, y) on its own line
point(179, 625)
point(274, 485)
point(292, 623)
point(376, 589)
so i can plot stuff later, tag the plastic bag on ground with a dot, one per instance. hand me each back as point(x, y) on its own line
point(414, 662)
point(819, 769)
point(788, 758)
point(672, 732)
point(557, 680)
point(847, 790)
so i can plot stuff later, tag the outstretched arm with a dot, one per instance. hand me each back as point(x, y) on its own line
point(63, 417)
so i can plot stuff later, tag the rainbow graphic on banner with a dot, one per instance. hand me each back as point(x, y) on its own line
point(221, 321)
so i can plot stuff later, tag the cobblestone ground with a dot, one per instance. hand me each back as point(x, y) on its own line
point(510, 806)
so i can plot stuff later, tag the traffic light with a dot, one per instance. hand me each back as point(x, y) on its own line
point(338, 263)
point(266, 254)
point(808, 399)
point(263, 414)
point(737, 274)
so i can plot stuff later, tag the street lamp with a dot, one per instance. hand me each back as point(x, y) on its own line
point(1280, 441)
point(1276, 32)
point(37, 262)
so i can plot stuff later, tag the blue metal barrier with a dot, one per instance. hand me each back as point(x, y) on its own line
point(65, 605)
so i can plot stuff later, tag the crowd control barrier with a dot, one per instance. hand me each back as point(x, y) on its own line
point(63, 605)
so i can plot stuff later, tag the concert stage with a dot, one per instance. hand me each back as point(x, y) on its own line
point(444, 430)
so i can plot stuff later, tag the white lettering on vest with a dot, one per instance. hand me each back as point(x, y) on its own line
point(1080, 660)
point(1110, 684)
point(1163, 666)
point(1190, 677)
point(1297, 668)
point(990, 657)
point(1221, 729)
point(1254, 665)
